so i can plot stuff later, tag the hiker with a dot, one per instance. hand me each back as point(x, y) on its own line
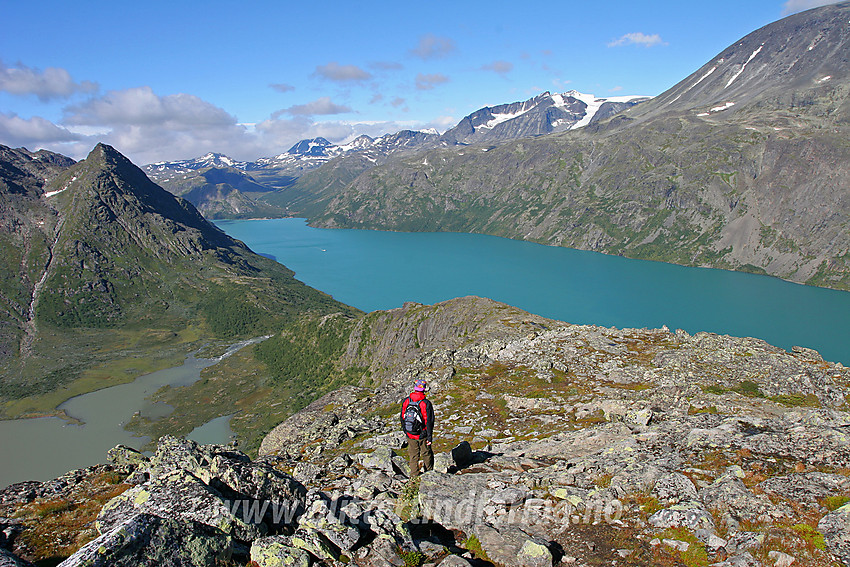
point(417, 421)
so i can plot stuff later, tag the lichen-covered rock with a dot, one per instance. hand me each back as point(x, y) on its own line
point(381, 552)
point(324, 516)
point(513, 547)
point(806, 487)
point(689, 514)
point(673, 488)
point(729, 497)
point(276, 551)
point(126, 457)
point(148, 541)
point(256, 481)
point(534, 554)
point(454, 561)
point(835, 528)
point(380, 459)
point(456, 459)
point(180, 495)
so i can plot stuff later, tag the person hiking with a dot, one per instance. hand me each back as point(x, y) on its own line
point(417, 422)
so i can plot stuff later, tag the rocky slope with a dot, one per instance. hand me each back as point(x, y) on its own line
point(741, 166)
point(557, 445)
point(25, 224)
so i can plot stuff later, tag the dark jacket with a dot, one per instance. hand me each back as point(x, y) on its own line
point(427, 411)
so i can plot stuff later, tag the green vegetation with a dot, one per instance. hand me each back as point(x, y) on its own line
point(812, 537)
point(749, 388)
point(412, 558)
point(832, 503)
point(303, 356)
point(229, 315)
point(407, 503)
point(695, 555)
point(473, 545)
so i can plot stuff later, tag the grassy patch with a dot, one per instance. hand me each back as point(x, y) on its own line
point(407, 503)
point(695, 555)
point(797, 400)
point(832, 503)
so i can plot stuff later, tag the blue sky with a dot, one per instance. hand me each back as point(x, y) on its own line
point(174, 80)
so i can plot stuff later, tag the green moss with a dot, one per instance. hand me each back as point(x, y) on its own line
point(810, 535)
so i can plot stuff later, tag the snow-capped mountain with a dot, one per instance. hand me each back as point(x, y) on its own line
point(542, 114)
point(308, 154)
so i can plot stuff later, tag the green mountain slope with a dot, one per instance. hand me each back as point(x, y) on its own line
point(743, 165)
point(124, 270)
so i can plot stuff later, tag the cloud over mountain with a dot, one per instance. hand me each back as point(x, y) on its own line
point(792, 6)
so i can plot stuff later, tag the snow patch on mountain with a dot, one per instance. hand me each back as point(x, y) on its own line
point(744, 66)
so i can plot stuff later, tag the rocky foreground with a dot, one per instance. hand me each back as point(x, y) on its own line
point(572, 445)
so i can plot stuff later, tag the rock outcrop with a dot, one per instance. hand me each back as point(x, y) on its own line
point(560, 445)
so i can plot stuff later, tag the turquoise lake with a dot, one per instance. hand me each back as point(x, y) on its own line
point(381, 270)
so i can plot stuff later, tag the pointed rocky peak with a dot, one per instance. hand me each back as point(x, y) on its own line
point(110, 184)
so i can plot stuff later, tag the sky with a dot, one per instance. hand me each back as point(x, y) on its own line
point(175, 80)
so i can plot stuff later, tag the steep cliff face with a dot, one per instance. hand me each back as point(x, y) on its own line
point(742, 165)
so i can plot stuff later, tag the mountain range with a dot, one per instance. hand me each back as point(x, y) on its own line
point(741, 165)
point(242, 195)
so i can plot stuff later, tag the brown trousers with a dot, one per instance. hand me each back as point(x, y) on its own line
point(419, 449)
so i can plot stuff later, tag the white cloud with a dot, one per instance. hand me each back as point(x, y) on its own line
point(638, 38)
point(616, 89)
point(33, 132)
point(433, 47)
point(427, 81)
point(342, 73)
point(323, 105)
point(500, 67)
point(141, 124)
point(52, 83)
point(140, 106)
point(148, 127)
point(793, 6)
point(282, 87)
